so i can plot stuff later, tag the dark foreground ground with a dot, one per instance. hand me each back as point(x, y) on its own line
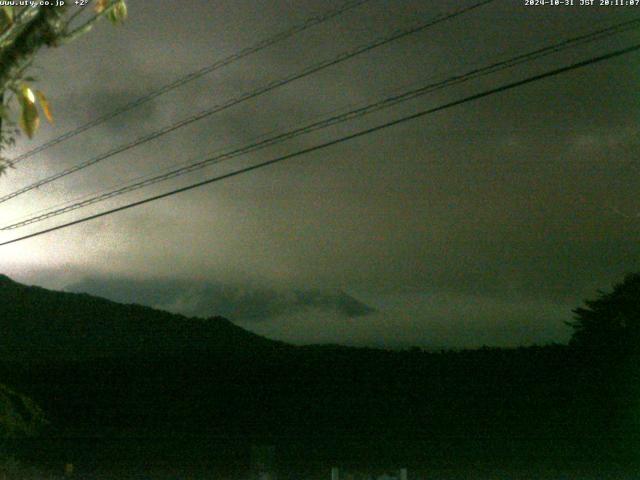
point(199, 457)
point(548, 413)
point(132, 392)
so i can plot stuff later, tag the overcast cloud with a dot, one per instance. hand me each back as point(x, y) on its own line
point(482, 224)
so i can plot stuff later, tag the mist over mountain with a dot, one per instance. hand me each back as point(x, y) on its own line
point(239, 303)
point(307, 312)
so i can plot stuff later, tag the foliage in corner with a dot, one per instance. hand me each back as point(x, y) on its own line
point(23, 31)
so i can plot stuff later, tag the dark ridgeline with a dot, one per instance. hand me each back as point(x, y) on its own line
point(134, 382)
point(40, 324)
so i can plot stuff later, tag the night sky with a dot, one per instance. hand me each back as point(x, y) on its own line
point(481, 224)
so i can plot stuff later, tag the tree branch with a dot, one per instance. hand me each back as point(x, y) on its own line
point(86, 26)
point(22, 19)
point(44, 29)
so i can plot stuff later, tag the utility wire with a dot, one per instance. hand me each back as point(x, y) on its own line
point(337, 141)
point(339, 118)
point(261, 45)
point(247, 96)
point(82, 198)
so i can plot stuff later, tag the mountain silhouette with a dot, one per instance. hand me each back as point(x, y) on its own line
point(37, 323)
point(100, 369)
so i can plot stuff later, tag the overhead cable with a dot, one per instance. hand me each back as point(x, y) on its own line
point(337, 141)
point(335, 119)
point(246, 96)
point(261, 45)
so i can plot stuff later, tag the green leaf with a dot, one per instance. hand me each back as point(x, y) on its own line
point(26, 94)
point(118, 12)
point(29, 119)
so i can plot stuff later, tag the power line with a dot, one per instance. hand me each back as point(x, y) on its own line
point(247, 96)
point(54, 209)
point(349, 115)
point(337, 141)
point(261, 45)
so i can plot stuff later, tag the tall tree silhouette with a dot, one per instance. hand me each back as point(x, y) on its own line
point(612, 321)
